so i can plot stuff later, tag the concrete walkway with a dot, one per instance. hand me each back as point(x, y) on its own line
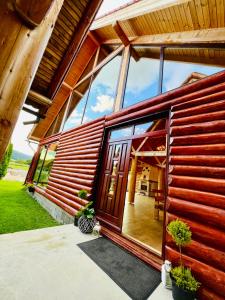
point(46, 264)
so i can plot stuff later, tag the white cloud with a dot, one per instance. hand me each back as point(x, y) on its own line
point(142, 74)
point(108, 6)
point(104, 103)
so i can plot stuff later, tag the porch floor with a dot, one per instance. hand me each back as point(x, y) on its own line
point(47, 264)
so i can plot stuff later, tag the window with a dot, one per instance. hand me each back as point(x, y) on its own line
point(103, 89)
point(45, 163)
point(186, 65)
point(143, 75)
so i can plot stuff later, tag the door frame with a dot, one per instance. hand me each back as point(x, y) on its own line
point(107, 129)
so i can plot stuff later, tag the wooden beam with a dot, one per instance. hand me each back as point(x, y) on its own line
point(122, 79)
point(38, 98)
point(203, 36)
point(21, 53)
point(35, 113)
point(150, 153)
point(77, 41)
point(121, 34)
point(99, 66)
point(32, 12)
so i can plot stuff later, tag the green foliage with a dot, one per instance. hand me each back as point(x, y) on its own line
point(184, 279)
point(180, 232)
point(19, 211)
point(86, 211)
point(5, 161)
point(82, 194)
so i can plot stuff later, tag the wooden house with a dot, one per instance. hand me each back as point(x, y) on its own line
point(139, 122)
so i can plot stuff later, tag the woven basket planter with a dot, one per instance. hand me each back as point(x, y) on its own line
point(86, 225)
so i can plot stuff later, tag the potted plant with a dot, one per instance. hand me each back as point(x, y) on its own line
point(31, 187)
point(86, 221)
point(83, 195)
point(184, 285)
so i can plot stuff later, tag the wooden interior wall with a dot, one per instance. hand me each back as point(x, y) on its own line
point(75, 166)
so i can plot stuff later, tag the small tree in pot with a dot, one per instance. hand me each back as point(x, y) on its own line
point(184, 285)
point(87, 220)
point(83, 195)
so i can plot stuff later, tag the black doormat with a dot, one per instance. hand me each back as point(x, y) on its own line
point(132, 275)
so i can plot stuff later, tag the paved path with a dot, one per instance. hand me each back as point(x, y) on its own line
point(46, 264)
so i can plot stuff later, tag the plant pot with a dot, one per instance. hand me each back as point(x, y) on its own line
point(76, 221)
point(181, 294)
point(86, 225)
point(31, 189)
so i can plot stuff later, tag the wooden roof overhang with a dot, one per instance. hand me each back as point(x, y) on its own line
point(174, 23)
point(69, 32)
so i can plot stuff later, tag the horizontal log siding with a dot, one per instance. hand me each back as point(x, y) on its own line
point(75, 166)
point(196, 192)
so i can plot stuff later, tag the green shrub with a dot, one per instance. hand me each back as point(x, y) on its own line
point(5, 161)
point(82, 194)
point(184, 279)
point(180, 232)
point(87, 211)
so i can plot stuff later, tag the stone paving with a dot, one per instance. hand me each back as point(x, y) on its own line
point(46, 264)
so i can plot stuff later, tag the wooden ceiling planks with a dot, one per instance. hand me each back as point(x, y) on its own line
point(58, 44)
point(186, 16)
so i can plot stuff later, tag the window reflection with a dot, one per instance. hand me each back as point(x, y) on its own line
point(183, 66)
point(143, 75)
point(45, 163)
point(122, 132)
point(103, 91)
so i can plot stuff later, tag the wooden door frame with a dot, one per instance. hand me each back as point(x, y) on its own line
point(117, 236)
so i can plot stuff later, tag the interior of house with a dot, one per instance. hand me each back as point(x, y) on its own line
point(145, 197)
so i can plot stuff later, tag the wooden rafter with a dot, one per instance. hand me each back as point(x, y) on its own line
point(121, 34)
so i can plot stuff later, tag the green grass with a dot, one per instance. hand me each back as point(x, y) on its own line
point(19, 211)
point(14, 165)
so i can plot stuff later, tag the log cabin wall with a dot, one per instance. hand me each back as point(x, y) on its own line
point(75, 166)
point(196, 181)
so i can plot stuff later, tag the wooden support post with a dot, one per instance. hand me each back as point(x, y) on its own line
point(132, 180)
point(21, 53)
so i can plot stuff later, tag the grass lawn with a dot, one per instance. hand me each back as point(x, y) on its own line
point(19, 211)
point(14, 165)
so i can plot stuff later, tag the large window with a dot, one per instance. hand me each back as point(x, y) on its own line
point(185, 65)
point(143, 75)
point(95, 97)
point(44, 164)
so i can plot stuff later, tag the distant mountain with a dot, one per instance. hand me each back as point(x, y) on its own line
point(16, 155)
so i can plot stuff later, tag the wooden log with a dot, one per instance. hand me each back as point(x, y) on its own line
point(210, 277)
point(215, 149)
point(77, 148)
point(75, 185)
point(203, 233)
point(89, 172)
point(210, 199)
point(203, 253)
point(200, 109)
point(63, 173)
point(76, 161)
point(21, 53)
point(212, 116)
point(198, 139)
point(199, 101)
point(65, 207)
point(196, 211)
point(75, 179)
point(84, 165)
point(198, 183)
point(85, 143)
point(198, 160)
point(205, 293)
point(74, 157)
point(198, 128)
point(80, 139)
point(64, 188)
point(87, 132)
point(79, 152)
point(68, 195)
point(196, 171)
point(64, 200)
